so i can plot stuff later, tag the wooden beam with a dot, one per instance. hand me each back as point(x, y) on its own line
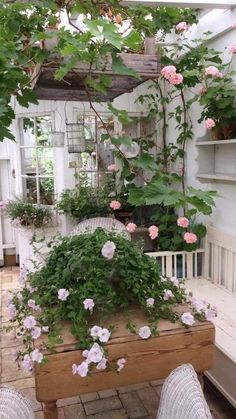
point(192, 4)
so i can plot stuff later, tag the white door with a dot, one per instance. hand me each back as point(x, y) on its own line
point(7, 239)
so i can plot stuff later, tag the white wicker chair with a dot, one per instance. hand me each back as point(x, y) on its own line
point(109, 224)
point(13, 405)
point(182, 396)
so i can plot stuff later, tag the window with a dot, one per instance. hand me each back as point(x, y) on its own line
point(37, 159)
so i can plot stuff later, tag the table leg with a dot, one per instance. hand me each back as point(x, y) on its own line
point(50, 410)
point(201, 379)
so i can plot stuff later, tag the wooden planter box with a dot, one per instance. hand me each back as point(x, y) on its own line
point(146, 360)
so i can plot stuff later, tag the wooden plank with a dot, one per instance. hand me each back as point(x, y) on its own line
point(189, 265)
point(169, 271)
point(191, 4)
point(155, 357)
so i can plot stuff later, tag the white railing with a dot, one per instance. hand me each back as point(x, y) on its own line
point(180, 264)
point(220, 259)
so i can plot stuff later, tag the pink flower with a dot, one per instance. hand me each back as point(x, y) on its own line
point(120, 364)
point(2, 205)
point(213, 71)
point(234, 25)
point(112, 168)
point(88, 304)
point(85, 353)
point(183, 222)
point(150, 302)
point(27, 363)
point(188, 319)
point(144, 332)
point(176, 79)
point(31, 304)
point(104, 335)
point(29, 322)
point(190, 238)
point(174, 281)
point(201, 90)
point(63, 294)
point(209, 123)
point(168, 294)
point(36, 356)
point(167, 71)
point(232, 49)
point(95, 331)
point(181, 26)
point(108, 250)
point(115, 205)
point(11, 310)
point(153, 232)
point(82, 369)
point(95, 353)
point(74, 369)
point(36, 332)
point(102, 364)
point(131, 227)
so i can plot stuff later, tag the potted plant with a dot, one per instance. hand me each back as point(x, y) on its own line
point(86, 279)
point(35, 226)
point(219, 105)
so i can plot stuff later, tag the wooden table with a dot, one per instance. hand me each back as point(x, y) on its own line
point(147, 360)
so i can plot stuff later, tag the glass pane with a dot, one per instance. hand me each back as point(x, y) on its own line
point(30, 189)
point(27, 137)
point(46, 190)
point(28, 159)
point(44, 130)
point(45, 161)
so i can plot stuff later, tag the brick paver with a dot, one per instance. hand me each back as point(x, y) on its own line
point(129, 402)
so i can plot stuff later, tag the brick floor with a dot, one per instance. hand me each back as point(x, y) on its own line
point(129, 402)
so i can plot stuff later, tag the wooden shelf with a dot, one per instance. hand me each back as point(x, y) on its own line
point(227, 177)
point(216, 142)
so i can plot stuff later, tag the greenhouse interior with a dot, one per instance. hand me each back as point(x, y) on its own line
point(117, 209)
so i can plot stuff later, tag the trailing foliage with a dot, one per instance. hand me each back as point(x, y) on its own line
point(26, 214)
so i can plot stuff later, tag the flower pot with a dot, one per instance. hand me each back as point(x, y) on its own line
point(124, 216)
point(28, 250)
point(217, 134)
point(229, 131)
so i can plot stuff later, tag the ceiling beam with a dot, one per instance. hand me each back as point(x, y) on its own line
point(192, 4)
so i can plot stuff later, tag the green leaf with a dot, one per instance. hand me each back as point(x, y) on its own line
point(145, 161)
point(103, 29)
point(119, 67)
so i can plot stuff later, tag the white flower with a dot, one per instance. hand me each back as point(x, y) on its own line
point(88, 304)
point(36, 356)
point(188, 319)
point(45, 329)
point(95, 331)
point(120, 364)
point(27, 363)
point(63, 294)
point(150, 302)
point(168, 294)
point(108, 250)
point(104, 335)
point(36, 332)
point(102, 364)
point(95, 354)
point(174, 280)
point(82, 369)
point(144, 332)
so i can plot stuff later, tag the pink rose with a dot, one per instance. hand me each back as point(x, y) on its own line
point(176, 79)
point(209, 123)
point(183, 222)
point(190, 238)
point(112, 168)
point(153, 232)
point(181, 26)
point(232, 49)
point(131, 227)
point(167, 71)
point(202, 90)
point(115, 205)
point(213, 71)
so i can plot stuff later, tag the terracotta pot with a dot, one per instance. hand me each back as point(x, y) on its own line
point(229, 131)
point(217, 134)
